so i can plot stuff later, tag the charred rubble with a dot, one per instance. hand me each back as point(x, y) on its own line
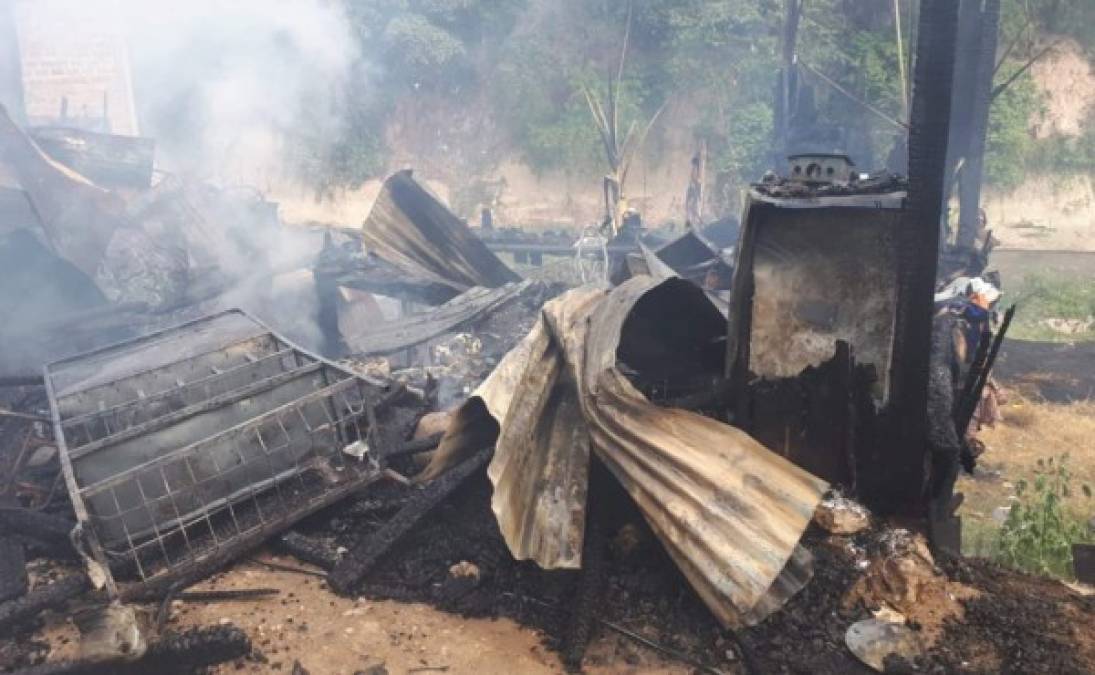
point(728, 453)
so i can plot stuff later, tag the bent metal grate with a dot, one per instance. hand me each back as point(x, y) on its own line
point(184, 448)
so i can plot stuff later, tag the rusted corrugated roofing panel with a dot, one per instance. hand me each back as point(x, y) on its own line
point(411, 229)
point(729, 511)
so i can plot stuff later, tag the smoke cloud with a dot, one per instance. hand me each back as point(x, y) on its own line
point(225, 87)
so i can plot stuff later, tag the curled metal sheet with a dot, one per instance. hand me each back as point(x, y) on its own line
point(411, 229)
point(729, 512)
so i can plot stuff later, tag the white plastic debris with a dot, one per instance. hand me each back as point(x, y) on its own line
point(873, 640)
point(109, 632)
point(357, 449)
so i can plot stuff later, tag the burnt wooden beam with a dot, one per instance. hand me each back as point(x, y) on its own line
point(40, 599)
point(371, 549)
point(312, 550)
point(188, 652)
point(13, 569)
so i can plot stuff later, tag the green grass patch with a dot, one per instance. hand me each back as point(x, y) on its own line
point(1053, 307)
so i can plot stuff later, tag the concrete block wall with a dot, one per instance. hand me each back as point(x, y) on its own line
point(75, 50)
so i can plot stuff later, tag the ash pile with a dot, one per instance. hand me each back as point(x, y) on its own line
point(707, 457)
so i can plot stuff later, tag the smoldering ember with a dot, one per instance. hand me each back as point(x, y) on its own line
point(539, 336)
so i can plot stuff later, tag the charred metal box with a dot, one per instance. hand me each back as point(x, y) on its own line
point(812, 323)
point(192, 444)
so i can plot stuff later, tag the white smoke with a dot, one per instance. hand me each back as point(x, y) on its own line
point(223, 85)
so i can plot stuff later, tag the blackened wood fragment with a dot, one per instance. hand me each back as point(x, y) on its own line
point(364, 556)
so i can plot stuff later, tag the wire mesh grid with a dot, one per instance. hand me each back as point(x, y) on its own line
point(178, 508)
point(188, 446)
point(140, 407)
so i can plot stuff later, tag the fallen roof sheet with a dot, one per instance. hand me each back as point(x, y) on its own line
point(108, 159)
point(686, 251)
point(408, 331)
point(728, 511)
point(411, 229)
point(78, 217)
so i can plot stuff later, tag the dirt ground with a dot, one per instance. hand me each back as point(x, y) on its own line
point(326, 634)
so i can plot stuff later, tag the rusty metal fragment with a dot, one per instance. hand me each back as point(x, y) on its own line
point(813, 309)
point(411, 229)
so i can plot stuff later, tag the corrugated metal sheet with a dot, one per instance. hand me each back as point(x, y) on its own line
point(729, 511)
point(411, 229)
point(408, 331)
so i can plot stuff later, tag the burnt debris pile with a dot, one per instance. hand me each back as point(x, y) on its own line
point(701, 449)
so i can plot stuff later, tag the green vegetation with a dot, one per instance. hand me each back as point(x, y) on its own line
point(1053, 308)
point(1038, 533)
point(525, 63)
point(1009, 145)
point(1067, 154)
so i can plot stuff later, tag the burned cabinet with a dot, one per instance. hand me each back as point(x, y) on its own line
point(190, 445)
point(811, 333)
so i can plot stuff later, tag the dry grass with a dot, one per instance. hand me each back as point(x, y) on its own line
point(1032, 430)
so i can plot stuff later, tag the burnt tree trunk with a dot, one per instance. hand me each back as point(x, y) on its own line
point(969, 189)
point(786, 83)
point(966, 58)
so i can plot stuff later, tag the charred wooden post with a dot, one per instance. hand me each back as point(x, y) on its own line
point(918, 247)
point(13, 569)
point(590, 587)
point(358, 562)
point(311, 550)
point(969, 186)
point(787, 83)
point(326, 273)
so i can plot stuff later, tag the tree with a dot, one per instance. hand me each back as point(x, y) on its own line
point(620, 150)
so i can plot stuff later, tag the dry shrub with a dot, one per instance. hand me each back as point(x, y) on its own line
point(1021, 417)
